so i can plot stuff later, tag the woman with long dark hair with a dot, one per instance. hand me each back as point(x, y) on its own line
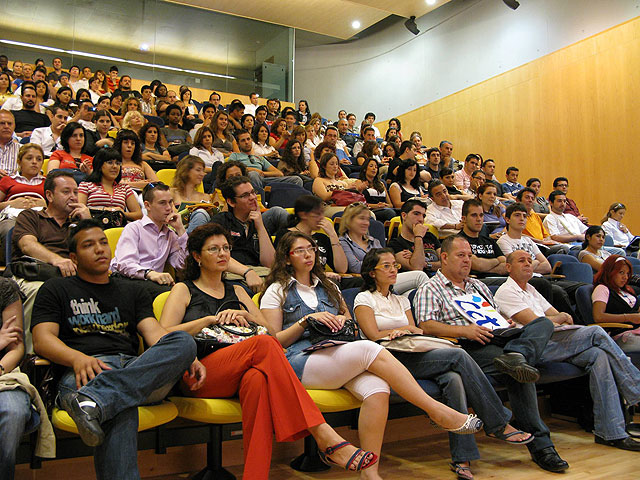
point(407, 184)
point(135, 171)
point(293, 162)
point(592, 252)
point(375, 191)
point(255, 370)
point(383, 314)
point(71, 156)
point(299, 293)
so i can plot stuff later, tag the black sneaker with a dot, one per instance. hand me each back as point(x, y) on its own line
point(86, 414)
point(515, 365)
point(548, 459)
point(627, 443)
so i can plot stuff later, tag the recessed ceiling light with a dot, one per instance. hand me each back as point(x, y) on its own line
point(144, 47)
point(355, 24)
point(431, 2)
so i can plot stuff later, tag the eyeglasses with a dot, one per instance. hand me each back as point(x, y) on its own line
point(299, 252)
point(247, 194)
point(214, 250)
point(386, 267)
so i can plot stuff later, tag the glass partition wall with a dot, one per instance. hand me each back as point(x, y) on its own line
point(149, 39)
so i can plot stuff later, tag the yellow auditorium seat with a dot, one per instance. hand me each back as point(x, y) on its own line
point(334, 400)
point(396, 222)
point(166, 175)
point(113, 235)
point(149, 416)
point(45, 165)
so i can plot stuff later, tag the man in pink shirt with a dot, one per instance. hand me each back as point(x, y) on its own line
point(462, 178)
point(146, 245)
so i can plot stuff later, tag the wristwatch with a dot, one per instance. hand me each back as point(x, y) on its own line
point(303, 322)
point(146, 272)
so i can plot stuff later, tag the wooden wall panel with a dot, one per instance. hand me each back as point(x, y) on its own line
point(574, 112)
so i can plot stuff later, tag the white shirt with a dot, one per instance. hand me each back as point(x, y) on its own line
point(12, 103)
point(95, 98)
point(389, 311)
point(511, 299)
point(563, 224)
point(208, 158)
point(77, 85)
point(612, 228)
point(273, 297)
point(43, 136)
point(250, 108)
point(508, 245)
point(439, 216)
point(88, 125)
point(262, 150)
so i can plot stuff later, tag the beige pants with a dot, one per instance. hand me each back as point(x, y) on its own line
point(29, 290)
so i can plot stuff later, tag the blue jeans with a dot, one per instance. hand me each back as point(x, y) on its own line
point(459, 378)
point(15, 411)
point(132, 381)
point(611, 374)
point(522, 396)
point(259, 182)
point(274, 219)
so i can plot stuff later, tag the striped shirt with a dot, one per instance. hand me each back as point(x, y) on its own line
point(9, 157)
point(98, 197)
point(434, 300)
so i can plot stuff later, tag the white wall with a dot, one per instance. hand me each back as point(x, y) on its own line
point(461, 43)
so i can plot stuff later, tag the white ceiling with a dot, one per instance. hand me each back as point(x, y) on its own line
point(326, 17)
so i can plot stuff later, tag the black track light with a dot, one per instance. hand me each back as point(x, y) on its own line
point(411, 25)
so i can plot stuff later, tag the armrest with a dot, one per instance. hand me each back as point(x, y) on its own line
point(552, 276)
point(42, 362)
point(626, 326)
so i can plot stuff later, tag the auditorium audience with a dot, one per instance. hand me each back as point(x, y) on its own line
point(375, 191)
point(541, 205)
point(511, 186)
point(535, 228)
point(189, 174)
point(28, 118)
point(203, 148)
point(72, 156)
point(223, 141)
point(9, 146)
point(592, 252)
point(150, 145)
point(562, 184)
point(407, 183)
point(462, 178)
point(299, 292)
point(384, 315)
point(618, 231)
point(331, 179)
point(493, 212)
point(444, 213)
point(49, 137)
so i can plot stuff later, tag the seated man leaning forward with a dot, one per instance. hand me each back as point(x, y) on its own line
point(146, 245)
point(252, 252)
point(611, 373)
point(89, 323)
point(514, 356)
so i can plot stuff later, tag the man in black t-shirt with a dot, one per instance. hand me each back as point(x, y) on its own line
point(415, 247)
point(89, 324)
point(29, 118)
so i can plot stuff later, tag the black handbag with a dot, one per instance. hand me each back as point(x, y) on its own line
point(109, 218)
point(215, 337)
point(32, 269)
point(318, 331)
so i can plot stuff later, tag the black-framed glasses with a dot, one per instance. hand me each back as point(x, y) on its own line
point(247, 194)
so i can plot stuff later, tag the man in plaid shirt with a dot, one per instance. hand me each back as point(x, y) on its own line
point(437, 315)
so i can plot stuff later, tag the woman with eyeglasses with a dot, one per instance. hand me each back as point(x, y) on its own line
point(618, 231)
point(383, 314)
point(255, 370)
point(299, 292)
point(103, 190)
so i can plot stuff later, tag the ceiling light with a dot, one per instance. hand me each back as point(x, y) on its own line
point(114, 59)
point(144, 47)
point(355, 24)
point(512, 4)
point(431, 2)
point(411, 25)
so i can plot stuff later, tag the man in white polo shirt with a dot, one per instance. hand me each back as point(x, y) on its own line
point(444, 214)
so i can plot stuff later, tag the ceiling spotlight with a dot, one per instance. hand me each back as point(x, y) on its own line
point(144, 47)
point(355, 24)
point(411, 25)
point(512, 4)
point(431, 2)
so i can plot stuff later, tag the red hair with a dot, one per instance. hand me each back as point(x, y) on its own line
point(611, 266)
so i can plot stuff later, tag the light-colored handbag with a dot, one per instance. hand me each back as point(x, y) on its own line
point(415, 343)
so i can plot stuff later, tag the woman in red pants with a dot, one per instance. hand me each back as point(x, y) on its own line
point(256, 370)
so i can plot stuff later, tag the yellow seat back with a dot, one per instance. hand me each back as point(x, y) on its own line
point(158, 304)
point(166, 175)
point(113, 235)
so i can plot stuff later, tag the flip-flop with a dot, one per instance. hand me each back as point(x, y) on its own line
point(367, 460)
point(505, 437)
point(463, 473)
point(471, 425)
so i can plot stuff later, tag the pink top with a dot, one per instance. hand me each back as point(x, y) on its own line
point(601, 294)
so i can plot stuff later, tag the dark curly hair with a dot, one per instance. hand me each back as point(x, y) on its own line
point(221, 174)
point(282, 271)
point(294, 164)
point(369, 263)
point(376, 182)
point(125, 134)
point(196, 241)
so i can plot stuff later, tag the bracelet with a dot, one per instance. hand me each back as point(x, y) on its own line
point(303, 322)
point(244, 275)
point(418, 236)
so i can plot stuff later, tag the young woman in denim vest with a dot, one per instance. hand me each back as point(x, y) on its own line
point(298, 289)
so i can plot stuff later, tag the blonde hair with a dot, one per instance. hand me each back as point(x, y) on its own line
point(183, 168)
point(126, 122)
point(349, 214)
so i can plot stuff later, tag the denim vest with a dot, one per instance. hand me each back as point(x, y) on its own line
point(292, 311)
